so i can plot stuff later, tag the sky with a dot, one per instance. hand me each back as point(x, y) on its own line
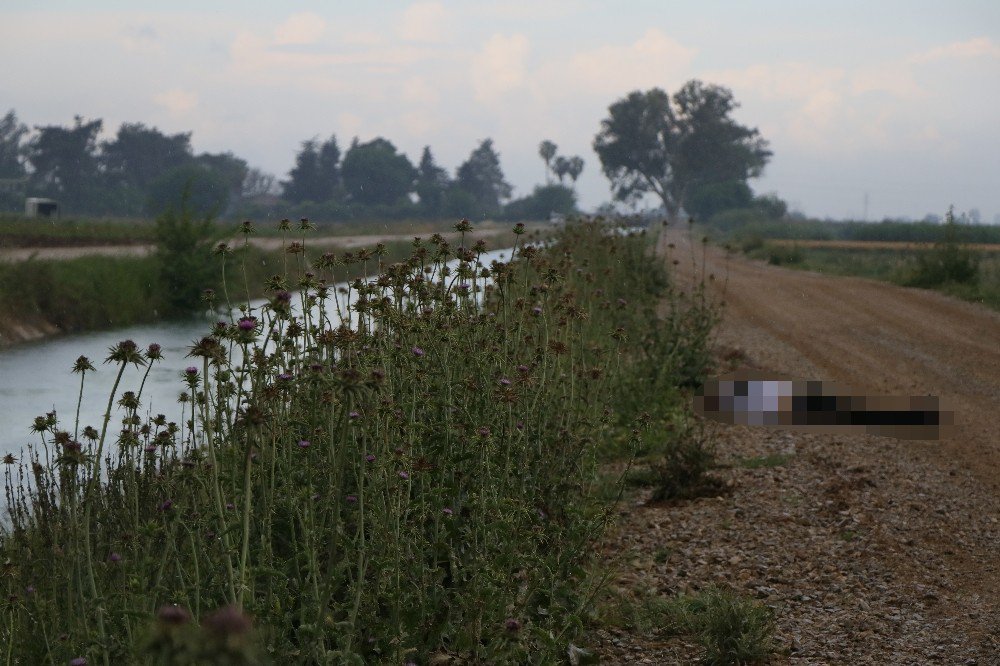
point(892, 102)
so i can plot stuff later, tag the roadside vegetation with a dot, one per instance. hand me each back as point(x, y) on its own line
point(417, 484)
point(948, 259)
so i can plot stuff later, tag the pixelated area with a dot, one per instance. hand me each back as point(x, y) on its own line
point(755, 398)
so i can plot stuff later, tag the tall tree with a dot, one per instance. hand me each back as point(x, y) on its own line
point(547, 151)
point(258, 183)
point(575, 168)
point(316, 174)
point(328, 162)
point(65, 164)
point(432, 183)
point(303, 179)
point(374, 173)
point(139, 154)
point(650, 143)
point(12, 133)
point(561, 167)
point(482, 177)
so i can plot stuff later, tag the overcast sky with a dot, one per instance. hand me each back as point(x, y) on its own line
point(896, 99)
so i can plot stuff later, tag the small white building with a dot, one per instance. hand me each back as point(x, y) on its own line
point(38, 207)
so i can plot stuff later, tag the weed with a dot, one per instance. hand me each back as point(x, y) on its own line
point(733, 629)
point(374, 470)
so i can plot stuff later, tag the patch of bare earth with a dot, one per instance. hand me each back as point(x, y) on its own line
point(870, 550)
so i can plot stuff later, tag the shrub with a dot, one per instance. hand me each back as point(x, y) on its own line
point(734, 629)
point(948, 262)
point(184, 257)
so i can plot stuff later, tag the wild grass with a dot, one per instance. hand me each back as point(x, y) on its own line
point(399, 469)
point(731, 629)
point(18, 231)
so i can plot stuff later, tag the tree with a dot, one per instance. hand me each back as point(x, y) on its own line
point(561, 167)
point(258, 183)
point(200, 190)
point(547, 150)
point(12, 171)
point(542, 203)
point(12, 135)
point(482, 177)
point(316, 174)
point(65, 165)
point(650, 143)
point(432, 183)
point(302, 179)
point(229, 169)
point(374, 173)
point(139, 154)
point(705, 201)
point(575, 168)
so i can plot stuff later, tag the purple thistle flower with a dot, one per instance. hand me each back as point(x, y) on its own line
point(351, 499)
point(404, 476)
point(30, 589)
point(150, 448)
point(303, 443)
point(447, 511)
point(114, 558)
point(520, 425)
point(417, 351)
point(78, 661)
point(537, 310)
point(230, 506)
point(154, 351)
point(285, 377)
point(370, 458)
point(166, 505)
point(354, 415)
point(504, 381)
point(512, 625)
point(191, 370)
point(247, 324)
point(484, 431)
point(522, 368)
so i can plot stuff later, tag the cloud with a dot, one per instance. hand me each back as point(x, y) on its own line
point(977, 47)
point(176, 100)
point(780, 81)
point(301, 28)
point(424, 22)
point(500, 66)
point(654, 59)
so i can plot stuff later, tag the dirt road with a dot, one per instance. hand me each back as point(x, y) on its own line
point(869, 549)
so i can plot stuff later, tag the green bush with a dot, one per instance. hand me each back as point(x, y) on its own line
point(184, 258)
point(947, 263)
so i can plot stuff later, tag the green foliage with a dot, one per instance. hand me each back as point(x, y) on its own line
point(375, 174)
point(687, 459)
point(705, 201)
point(482, 177)
point(82, 294)
point(64, 164)
point(733, 629)
point(184, 257)
point(542, 203)
point(316, 174)
point(432, 184)
point(651, 143)
point(947, 263)
point(137, 156)
point(203, 191)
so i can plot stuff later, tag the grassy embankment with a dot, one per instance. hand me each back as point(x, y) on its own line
point(100, 292)
point(945, 257)
point(418, 486)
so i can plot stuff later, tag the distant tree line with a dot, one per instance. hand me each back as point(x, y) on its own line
point(142, 171)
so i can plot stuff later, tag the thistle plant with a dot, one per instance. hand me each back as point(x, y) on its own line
point(389, 469)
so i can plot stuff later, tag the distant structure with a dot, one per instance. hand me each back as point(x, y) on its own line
point(38, 207)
